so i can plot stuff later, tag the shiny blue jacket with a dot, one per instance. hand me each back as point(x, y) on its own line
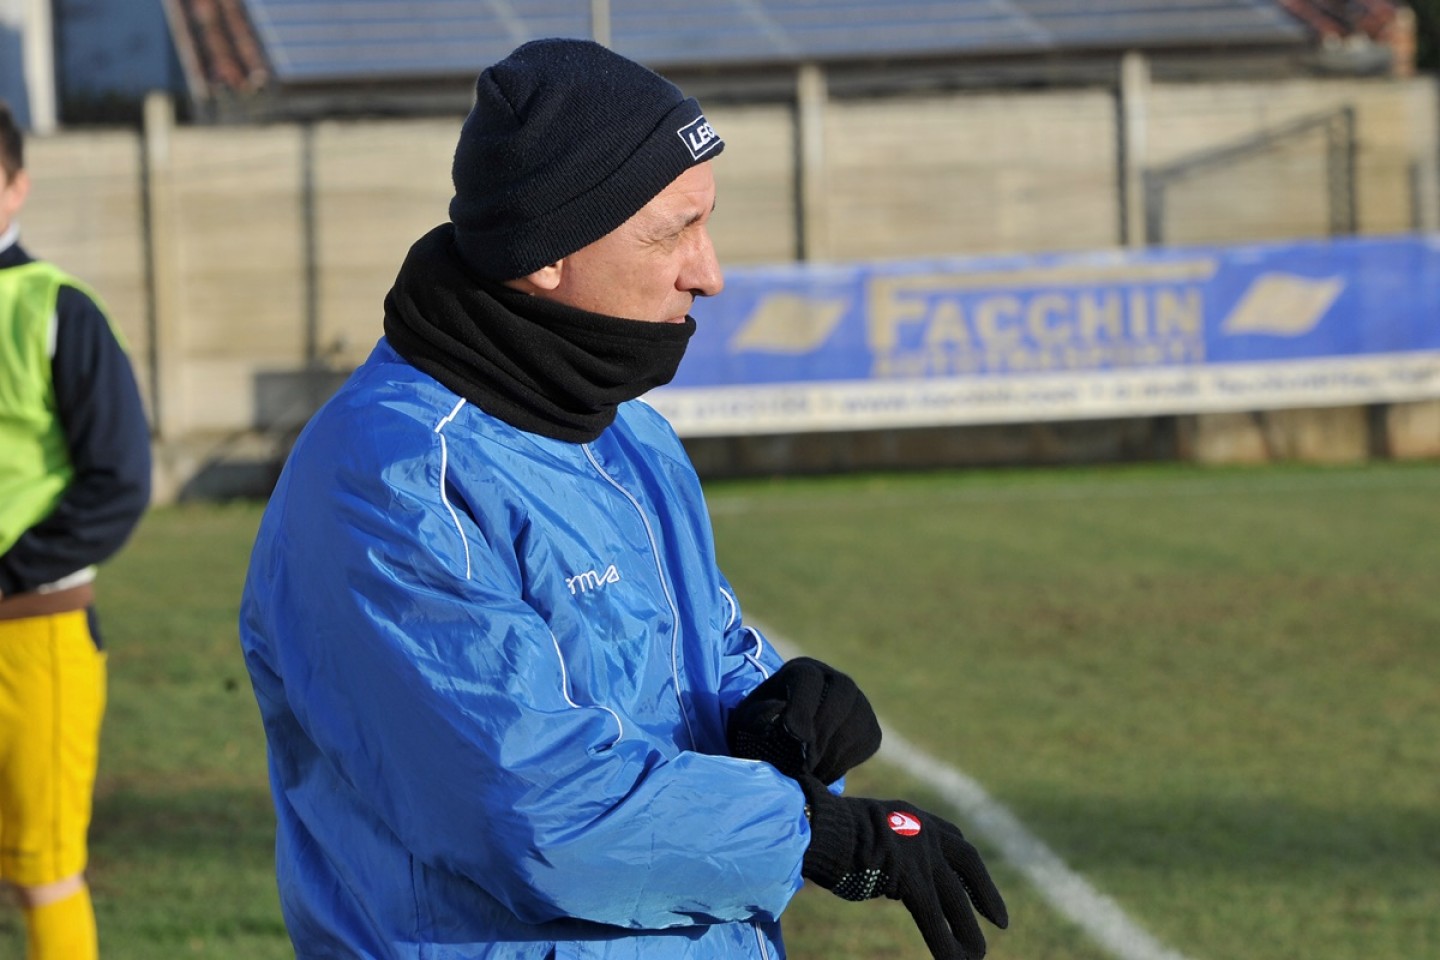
point(494, 671)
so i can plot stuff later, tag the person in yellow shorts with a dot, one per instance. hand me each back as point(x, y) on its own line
point(74, 481)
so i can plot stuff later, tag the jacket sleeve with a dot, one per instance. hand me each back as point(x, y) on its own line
point(411, 660)
point(749, 657)
point(109, 444)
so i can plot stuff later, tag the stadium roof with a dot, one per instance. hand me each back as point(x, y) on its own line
point(328, 40)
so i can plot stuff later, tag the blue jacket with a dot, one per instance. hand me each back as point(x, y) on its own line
point(494, 671)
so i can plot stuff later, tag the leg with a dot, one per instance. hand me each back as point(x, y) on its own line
point(52, 698)
point(59, 920)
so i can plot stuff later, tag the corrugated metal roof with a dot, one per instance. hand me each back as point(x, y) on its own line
point(327, 40)
point(674, 32)
point(1075, 23)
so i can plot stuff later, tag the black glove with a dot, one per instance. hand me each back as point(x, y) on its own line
point(861, 849)
point(809, 718)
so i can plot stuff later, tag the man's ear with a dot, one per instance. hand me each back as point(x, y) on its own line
point(542, 281)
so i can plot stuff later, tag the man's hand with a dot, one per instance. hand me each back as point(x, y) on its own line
point(861, 849)
point(807, 719)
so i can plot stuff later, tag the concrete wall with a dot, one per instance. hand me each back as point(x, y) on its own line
point(248, 265)
point(961, 174)
point(1272, 194)
point(87, 212)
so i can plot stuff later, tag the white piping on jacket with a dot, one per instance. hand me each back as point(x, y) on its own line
point(564, 670)
point(754, 657)
point(565, 690)
point(444, 466)
point(664, 586)
point(760, 940)
point(734, 608)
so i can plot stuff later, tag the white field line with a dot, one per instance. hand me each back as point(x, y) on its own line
point(1068, 893)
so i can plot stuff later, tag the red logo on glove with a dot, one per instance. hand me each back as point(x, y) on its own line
point(904, 824)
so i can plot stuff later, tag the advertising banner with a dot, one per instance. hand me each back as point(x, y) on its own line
point(801, 348)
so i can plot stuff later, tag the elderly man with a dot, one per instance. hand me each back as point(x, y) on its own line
point(512, 707)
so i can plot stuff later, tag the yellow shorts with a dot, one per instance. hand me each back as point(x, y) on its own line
point(52, 698)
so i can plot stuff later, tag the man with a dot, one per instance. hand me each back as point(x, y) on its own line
point(74, 481)
point(511, 705)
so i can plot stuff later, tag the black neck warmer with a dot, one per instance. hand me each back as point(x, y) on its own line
point(538, 365)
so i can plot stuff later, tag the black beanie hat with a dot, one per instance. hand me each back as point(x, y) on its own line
point(565, 142)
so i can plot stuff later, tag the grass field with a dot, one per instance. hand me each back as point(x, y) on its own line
point(1212, 692)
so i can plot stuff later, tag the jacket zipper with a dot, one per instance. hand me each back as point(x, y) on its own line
point(664, 586)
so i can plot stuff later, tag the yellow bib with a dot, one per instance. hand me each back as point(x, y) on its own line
point(35, 463)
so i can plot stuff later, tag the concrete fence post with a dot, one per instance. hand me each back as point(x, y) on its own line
point(39, 67)
point(812, 225)
point(600, 22)
point(1424, 104)
point(1134, 98)
point(167, 330)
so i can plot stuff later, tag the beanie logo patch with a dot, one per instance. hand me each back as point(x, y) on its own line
point(904, 824)
point(699, 137)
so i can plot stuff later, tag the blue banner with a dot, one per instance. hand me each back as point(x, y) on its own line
point(802, 347)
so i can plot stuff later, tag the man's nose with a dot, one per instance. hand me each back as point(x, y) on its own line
point(703, 275)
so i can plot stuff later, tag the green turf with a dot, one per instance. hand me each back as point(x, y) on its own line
point(181, 847)
point(1211, 691)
